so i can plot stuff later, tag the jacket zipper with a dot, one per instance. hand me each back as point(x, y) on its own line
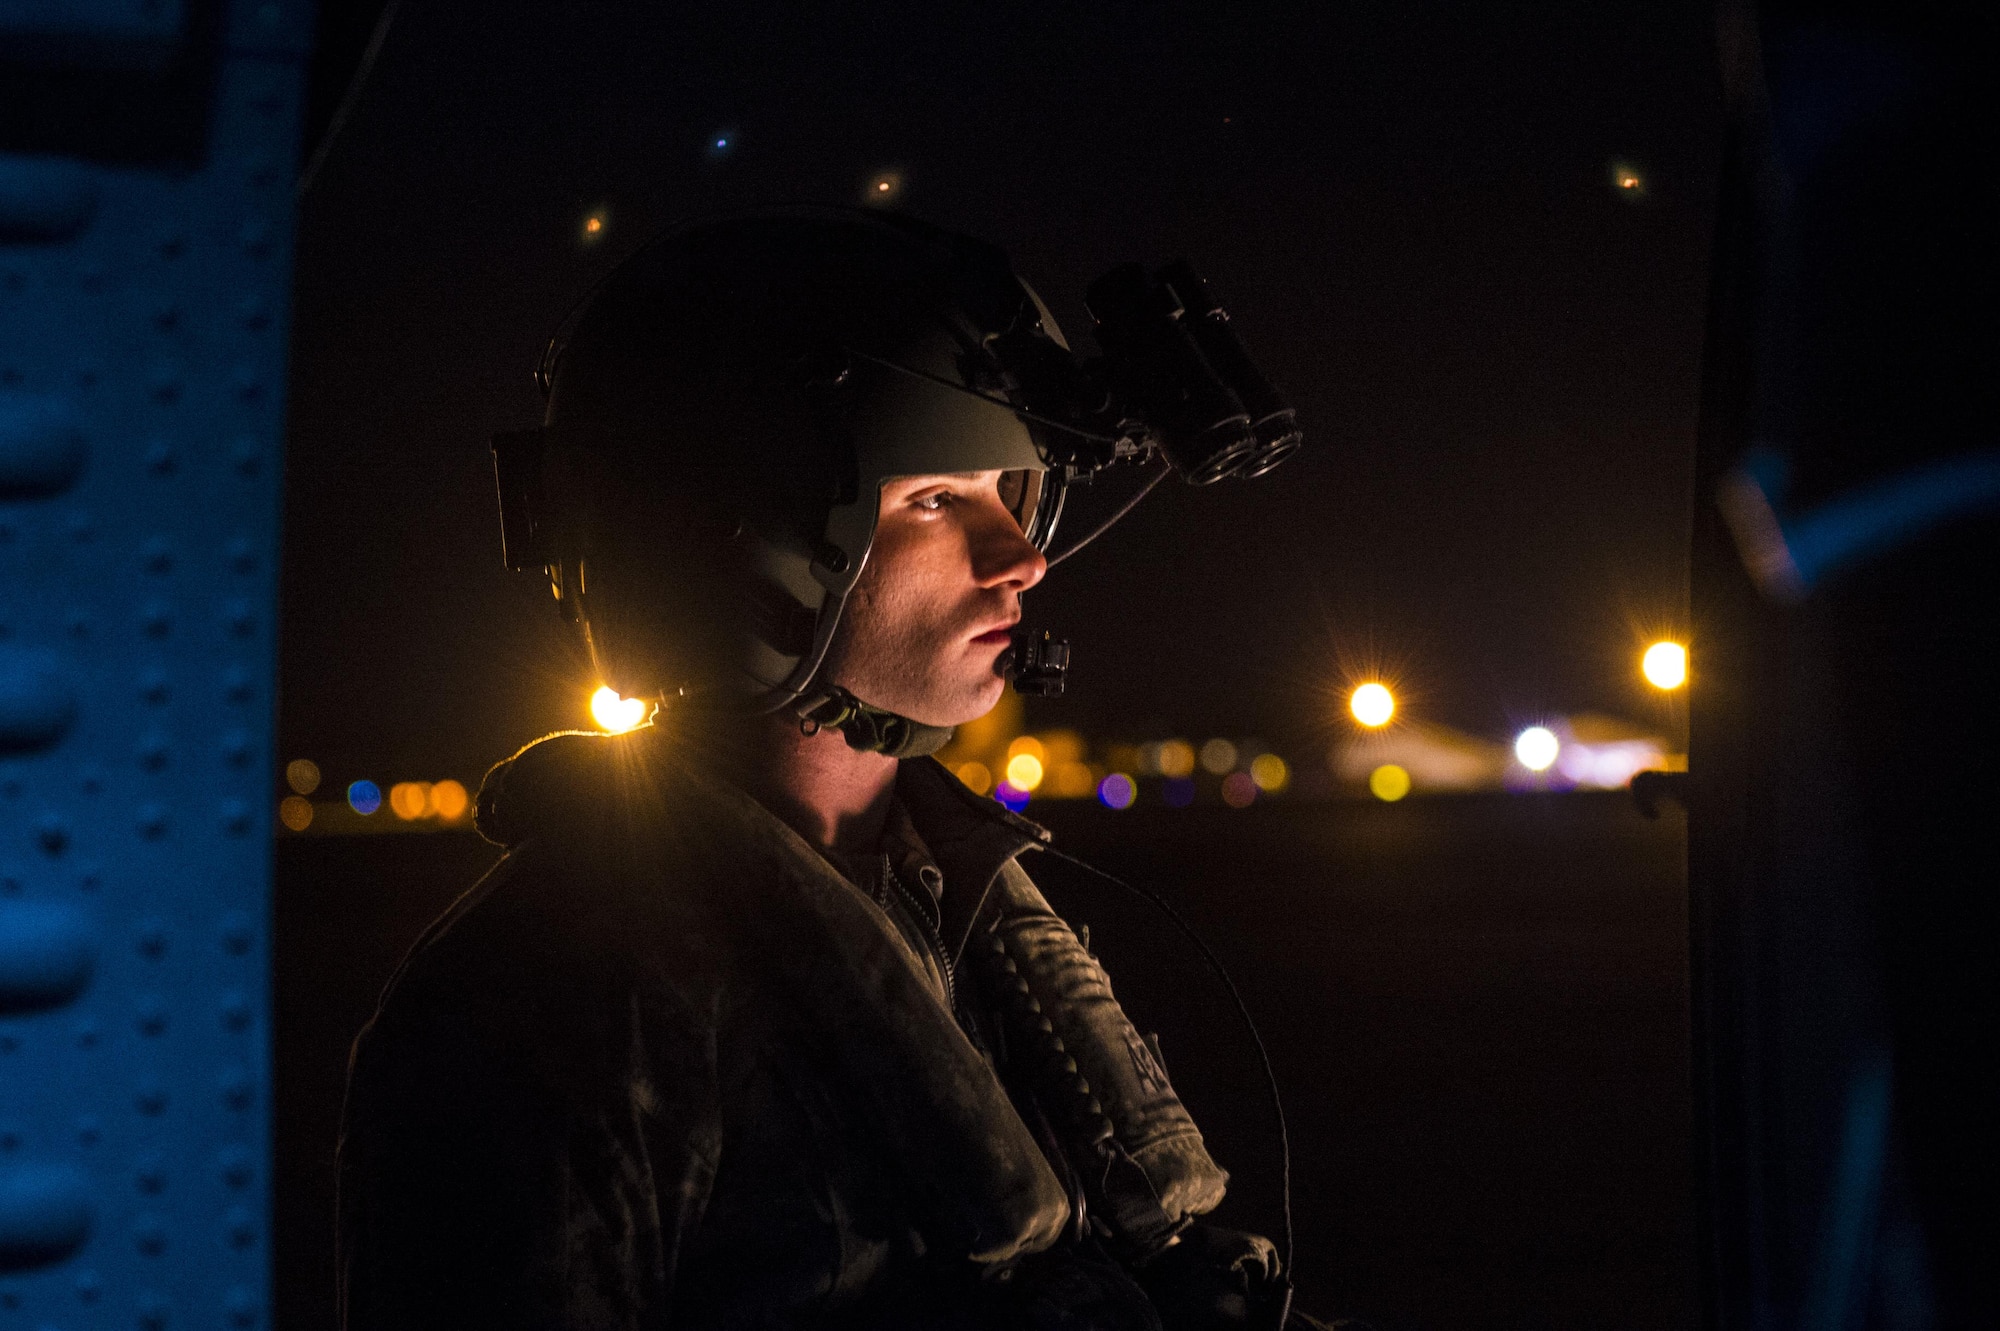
point(929, 931)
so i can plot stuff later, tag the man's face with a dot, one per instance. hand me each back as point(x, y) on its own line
point(928, 620)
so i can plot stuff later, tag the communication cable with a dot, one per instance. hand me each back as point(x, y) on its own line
point(349, 98)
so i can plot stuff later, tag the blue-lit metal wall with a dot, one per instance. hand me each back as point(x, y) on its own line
point(143, 313)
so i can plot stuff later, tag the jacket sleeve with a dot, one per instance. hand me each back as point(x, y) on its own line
point(495, 1173)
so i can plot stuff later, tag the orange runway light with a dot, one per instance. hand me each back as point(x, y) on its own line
point(1372, 705)
point(1665, 665)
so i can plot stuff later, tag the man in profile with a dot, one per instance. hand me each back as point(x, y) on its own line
point(759, 1022)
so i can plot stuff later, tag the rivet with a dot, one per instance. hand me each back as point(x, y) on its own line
point(236, 1166)
point(153, 751)
point(236, 748)
point(44, 200)
point(242, 1227)
point(151, 1099)
point(241, 1305)
point(89, 1131)
point(149, 1236)
point(153, 686)
point(152, 1308)
point(157, 556)
point(42, 450)
point(89, 1286)
point(47, 952)
point(86, 1034)
point(237, 933)
point(157, 619)
point(160, 459)
point(152, 1016)
point(151, 1175)
point(37, 701)
point(45, 1212)
point(242, 620)
point(52, 833)
point(236, 684)
point(237, 1089)
point(152, 821)
point(235, 1012)
point(152, 938)
point(235, 817)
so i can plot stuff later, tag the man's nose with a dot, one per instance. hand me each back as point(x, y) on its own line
point(1003, 557)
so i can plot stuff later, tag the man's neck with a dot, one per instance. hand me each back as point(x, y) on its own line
point(834, 796)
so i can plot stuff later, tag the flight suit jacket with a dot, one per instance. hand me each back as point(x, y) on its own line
point(663, 1066)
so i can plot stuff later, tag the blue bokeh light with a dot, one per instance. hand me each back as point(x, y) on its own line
point(1117, 791)
point(1013, 798)
point(364, 797)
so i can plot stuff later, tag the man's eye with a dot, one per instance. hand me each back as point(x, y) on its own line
point(936, 502)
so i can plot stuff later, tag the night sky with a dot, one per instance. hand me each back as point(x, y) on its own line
point(1410, 208)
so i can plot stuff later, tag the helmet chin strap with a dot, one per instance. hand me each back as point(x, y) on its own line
point(867, 728)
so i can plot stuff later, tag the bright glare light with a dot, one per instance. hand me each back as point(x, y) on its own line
point(410, 800)
point(1372, 705)
point(1218, 757)
point(364, 797)
point(1268, 770)
point(1537, 747)
point(1389, 783)
point(976, 777)
point(1666, 665)
point(1024, 771)
point(1029, 745)
point(614, 713)
point(594, 225)
point(449, 800)
point(1176, 758)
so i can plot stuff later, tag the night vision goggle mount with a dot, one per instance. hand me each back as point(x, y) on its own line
point(1174, 383)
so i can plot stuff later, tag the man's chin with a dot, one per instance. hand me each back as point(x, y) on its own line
point(967, 706)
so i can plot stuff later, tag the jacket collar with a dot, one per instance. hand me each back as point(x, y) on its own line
point(972, 839)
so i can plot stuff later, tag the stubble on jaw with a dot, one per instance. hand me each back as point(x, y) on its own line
point(902, 647)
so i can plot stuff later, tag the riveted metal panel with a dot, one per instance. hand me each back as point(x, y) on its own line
point(142, 361)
